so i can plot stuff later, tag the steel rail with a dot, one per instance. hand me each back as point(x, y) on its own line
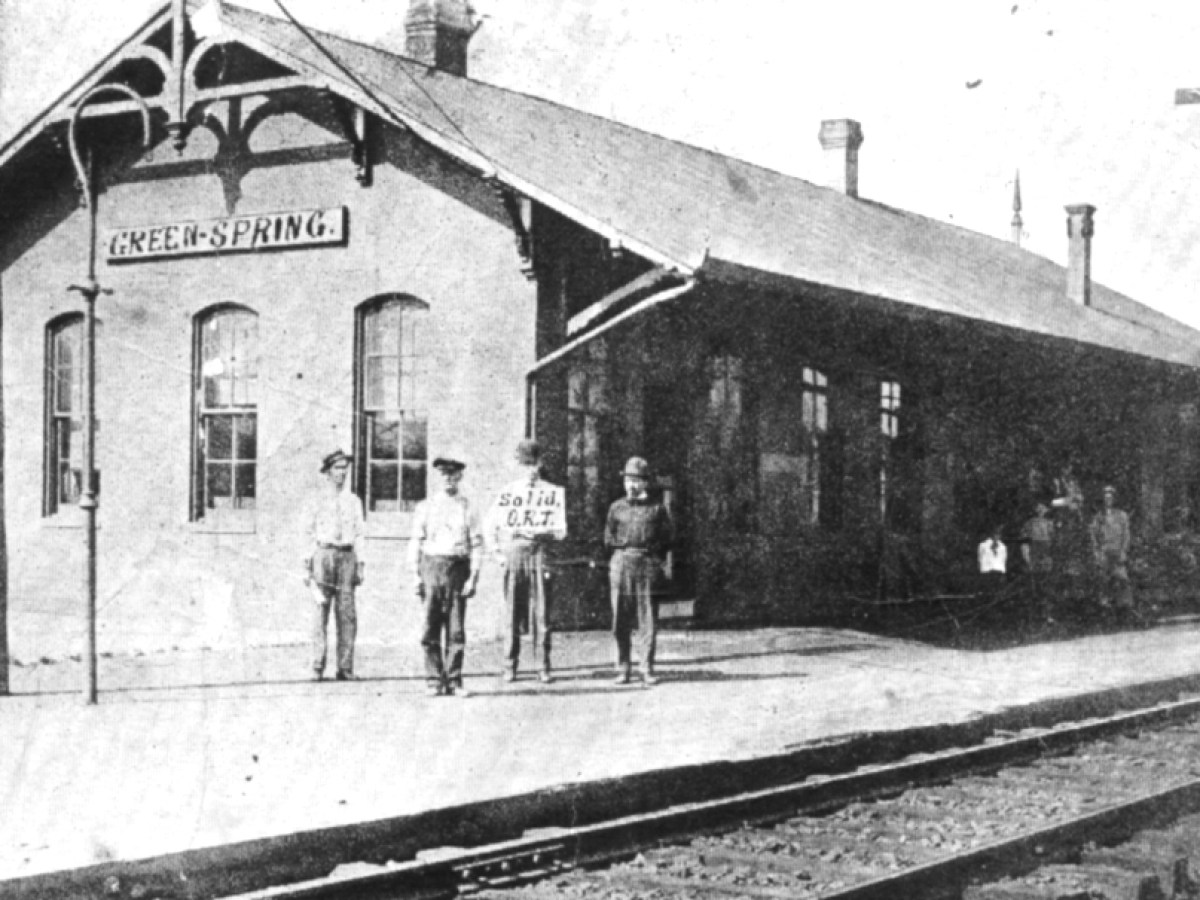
point(531, 857)
point(948, 877)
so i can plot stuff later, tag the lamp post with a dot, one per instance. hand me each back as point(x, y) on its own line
point(90, 289)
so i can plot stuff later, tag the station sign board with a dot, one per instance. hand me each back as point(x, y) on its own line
point(528, 511)
point(252, 233)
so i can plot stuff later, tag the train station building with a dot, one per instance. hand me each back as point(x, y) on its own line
point(332, 245)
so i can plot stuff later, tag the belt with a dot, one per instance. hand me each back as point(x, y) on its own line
point(342, 547)
point(637, 551)
point(447, 558)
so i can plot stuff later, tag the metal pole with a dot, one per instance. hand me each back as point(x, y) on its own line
point(87, 496)
point(90, 290)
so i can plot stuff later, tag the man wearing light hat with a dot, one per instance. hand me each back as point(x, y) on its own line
point(639, 532)
point(334, 567)
point(445, 552)
point(528, 514)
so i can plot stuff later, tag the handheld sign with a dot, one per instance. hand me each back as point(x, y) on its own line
point(528, 511)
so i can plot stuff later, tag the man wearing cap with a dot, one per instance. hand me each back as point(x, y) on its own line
point(640, 533)
point(1111, 538)
point(528, 514)
point(445, 552)
point(334, 567)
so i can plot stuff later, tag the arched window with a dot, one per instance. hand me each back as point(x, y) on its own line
point(64, 413)
point(391, 412)
point(225, 411)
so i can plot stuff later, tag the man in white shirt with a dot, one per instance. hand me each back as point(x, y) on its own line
point(445, 552)
point(993, 555)
point(334, 566)
point(529, 514)
point(993, 562)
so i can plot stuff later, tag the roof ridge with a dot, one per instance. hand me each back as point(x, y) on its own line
point(487, 85)
point(909, 214)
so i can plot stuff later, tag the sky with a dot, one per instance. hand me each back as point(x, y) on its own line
point(954, 96)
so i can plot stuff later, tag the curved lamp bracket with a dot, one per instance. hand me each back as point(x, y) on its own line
point(80, 168)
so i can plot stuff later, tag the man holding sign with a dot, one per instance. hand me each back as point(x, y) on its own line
point(528, 515)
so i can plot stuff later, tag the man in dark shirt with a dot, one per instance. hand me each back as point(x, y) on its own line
point(639, 532)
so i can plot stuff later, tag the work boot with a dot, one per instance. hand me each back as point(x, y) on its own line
point(648, 678)
point(510, 674)
point(545, 677)
point(622, 677)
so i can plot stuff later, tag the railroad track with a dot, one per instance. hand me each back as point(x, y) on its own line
point(1039, 814)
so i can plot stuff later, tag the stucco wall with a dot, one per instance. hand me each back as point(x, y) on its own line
point(423, 228)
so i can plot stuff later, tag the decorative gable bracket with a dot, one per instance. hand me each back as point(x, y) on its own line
point(181, 97)
point(356, 124)
point(520, 214)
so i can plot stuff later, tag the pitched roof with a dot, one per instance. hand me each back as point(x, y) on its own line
point(689, 208)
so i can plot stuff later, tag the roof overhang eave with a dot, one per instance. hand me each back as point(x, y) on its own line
point(390, 110)
point(36, 126)
point(726, 272)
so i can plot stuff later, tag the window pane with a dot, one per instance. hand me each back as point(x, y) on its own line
point(386, 329)
point(218, 487)
point(66, 391)
point(219, 444)
point(246, 433)
point(373, 328)
point(245, 390)
point(410, 323)
point(383, 490)
point(596, 399)
point(70, 482)
point(66, 343)
point(218, 391)
point(244, 485)
point(416, 445)
point(411, 378)
point(413, 482)
point(389, 382)
point(591, 440)
point(575, 422)
point(373, 376)
point(577, 390)
point(385, 437)
point(70, 440)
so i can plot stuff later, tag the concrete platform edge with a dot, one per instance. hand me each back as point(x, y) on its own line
point(251, 865)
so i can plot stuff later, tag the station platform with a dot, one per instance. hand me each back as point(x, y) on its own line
point(205, 750)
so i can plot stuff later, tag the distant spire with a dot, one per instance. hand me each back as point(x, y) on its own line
point(1017, 223)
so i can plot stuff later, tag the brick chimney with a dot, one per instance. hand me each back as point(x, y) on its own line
point(840, 139)
point(437, 33)
point(1079, 252)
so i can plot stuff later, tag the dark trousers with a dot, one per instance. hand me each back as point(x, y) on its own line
point(526, 603)
point(1114, 579)
point(333, 573)
point(444, 638)
point(630, 576)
